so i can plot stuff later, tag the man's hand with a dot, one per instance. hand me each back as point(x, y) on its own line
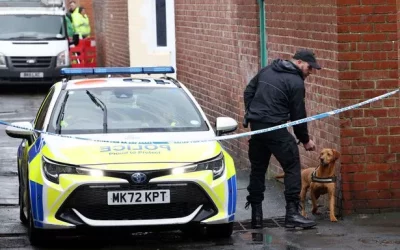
point(309, 146)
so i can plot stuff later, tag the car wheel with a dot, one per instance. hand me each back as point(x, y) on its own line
point(37, 237)
point(22, 216)
point(220, 230)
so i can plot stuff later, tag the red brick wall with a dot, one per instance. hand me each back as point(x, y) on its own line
point(217, 54)
point(357, 45)
point(295, 24)
point(112, 32)
point(368, 59)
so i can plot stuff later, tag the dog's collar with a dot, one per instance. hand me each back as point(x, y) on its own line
point(314, 178)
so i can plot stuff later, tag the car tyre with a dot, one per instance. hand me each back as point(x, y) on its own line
point(220, 230)
point(37, 237)
point(22, 216)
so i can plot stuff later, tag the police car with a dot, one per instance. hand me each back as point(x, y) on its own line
point(117, 151)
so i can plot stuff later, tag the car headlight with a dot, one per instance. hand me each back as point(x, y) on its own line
point(216, 165)
point(3, 61)
point(63, 59)
point(53, 170)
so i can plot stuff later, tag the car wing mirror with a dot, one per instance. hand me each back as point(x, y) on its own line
point(225, 125)
point(22, 130)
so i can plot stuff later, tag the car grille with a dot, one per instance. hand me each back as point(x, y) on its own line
point(91, 202)
point(31, 62)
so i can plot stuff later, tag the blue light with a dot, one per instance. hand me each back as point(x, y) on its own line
point(76, 71)
point(118, 70)
point(158, 70)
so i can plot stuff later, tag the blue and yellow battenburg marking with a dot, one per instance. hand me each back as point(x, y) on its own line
point(36, 191)
point(36, 148)
point(232, 197)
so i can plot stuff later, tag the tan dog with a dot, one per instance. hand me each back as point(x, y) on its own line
point(320, 180)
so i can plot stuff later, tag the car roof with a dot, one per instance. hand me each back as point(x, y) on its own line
point(85, 83)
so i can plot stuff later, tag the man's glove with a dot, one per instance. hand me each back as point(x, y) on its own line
point(245, 122)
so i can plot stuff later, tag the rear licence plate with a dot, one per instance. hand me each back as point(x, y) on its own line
point(138, 197)
point(31, 74)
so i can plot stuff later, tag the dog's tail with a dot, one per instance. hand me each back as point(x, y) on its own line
point(279, 176)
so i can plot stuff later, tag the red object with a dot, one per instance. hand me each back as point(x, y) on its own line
point(83, 55)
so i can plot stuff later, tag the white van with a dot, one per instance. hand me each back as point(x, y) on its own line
point(34, 44)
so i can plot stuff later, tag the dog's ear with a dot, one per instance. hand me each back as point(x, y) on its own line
point(336, 154)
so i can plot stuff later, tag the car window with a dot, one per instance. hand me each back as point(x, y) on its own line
point(43, 110)
point(127, 110)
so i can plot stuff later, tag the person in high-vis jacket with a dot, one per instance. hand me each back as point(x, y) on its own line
point(77, 19)
point(85, 25)
point(70, 27)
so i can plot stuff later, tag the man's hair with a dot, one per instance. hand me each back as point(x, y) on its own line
point(72, 1)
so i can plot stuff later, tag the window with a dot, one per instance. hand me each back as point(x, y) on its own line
point(128, 110)
point(43, 110)
point(161, 23)
point(37, 27)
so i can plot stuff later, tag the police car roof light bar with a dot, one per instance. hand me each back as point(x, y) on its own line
point(76, 71)
point(158, 70)
point(117, 70)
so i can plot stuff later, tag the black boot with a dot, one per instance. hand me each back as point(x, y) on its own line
point(256, 215)
point(294, 219)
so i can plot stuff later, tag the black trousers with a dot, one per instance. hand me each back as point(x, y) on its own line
point(283, 146)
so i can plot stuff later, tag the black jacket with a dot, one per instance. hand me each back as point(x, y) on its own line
point(276, 95)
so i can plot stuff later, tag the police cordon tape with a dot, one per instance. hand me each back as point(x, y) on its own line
point(220, 138)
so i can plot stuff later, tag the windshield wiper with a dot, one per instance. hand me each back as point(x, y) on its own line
point(61, 114)
point(101, 105)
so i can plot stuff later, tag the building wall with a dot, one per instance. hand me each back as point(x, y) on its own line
point(304, 24)
point(112, 32)
point(217, 54)
point(368, 64)
point(357, 45)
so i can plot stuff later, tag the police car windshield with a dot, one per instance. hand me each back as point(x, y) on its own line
point(128, 110)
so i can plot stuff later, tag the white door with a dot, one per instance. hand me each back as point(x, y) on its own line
point(152, 33)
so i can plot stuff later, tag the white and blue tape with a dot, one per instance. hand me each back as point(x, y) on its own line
point(225, 137)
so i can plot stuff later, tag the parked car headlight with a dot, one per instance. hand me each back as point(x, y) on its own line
point(3, 61)
point(53, 170)
point(216, 165)
point(63, 59)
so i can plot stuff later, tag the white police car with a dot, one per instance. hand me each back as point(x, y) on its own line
point(123, 152)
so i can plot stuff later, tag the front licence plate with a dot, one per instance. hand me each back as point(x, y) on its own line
point(31, 74)
point(138, 197)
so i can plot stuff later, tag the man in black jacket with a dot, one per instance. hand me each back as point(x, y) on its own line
point(273, 97)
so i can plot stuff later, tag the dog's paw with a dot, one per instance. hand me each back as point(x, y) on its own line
point(316, 212)
point(333, 219)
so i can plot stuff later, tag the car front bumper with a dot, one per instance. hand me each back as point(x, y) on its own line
point(80, 201)
point(45, 72)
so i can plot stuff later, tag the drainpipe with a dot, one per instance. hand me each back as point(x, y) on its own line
point(263, 40)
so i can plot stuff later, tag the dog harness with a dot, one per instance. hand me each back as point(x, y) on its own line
point(314, 178)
